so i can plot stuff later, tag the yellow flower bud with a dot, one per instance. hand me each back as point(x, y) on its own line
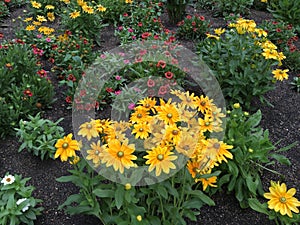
point(139, 218)
point(246, 113)
point(236, 105)
point(127, 186)
point(250, 150)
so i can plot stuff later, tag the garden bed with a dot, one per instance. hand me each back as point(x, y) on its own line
point(282, 120)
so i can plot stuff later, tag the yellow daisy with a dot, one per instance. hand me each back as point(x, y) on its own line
point(203, 103)
point(141, 130)
point(168, 113)
point(282, 200)
point(50, 16)
point(74, 14)
point(30, 27)
point(89, 129)
point(66, 148)
point(119, 155)
point(193, 167)
point(160, 159)
point(49, 7)
point(88, 9)
point(36, 5)
point(207, 182)
point(101, 8)
point(41, 18)
point(94, 153)
point(280, 74)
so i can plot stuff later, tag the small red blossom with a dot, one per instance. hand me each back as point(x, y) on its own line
point(69, 99)
point(1, 35)
point(140, 24)
point(278, 30)
point(150, 83)
point(71, 77)
point(163, 90)
point(189, 17)
point(146, 35)
point(202, 18)
point(27, 92)
point(169, 74)
point(42, 73)
point(161, 64)
point(109, 90)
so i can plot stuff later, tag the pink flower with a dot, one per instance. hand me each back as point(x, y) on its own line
point(130, 30)
point(126, 61)
point(121, 54)
point(118, 92)
point(120, 28)
point(131, 106)
point(118, 77)
point(103, 56)
point(143, 52)
point(39, 36)
point(163, 90)
point(150, 83)
point(161, 64)
point(169, 74)
point(48, 39)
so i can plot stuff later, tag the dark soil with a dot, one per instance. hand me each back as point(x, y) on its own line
point(282, 120)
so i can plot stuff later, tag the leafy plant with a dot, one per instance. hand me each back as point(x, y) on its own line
point(296, 83)
point(24, 88)
point(253, 152)
point(225, 7)
point(193, 27)
point(241, 59)
point(286, 10)
point(4, 10)
point(176, 10)
point(17, 206)
point(39, 136)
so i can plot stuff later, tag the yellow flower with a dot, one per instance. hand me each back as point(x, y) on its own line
point(139, 218)
point(217, 151)
point(270, 53)
point(36, 23)
point(36, 5)
point(89, 129)
point(75, 160)
point(49, 7)
point(207, 182)
point(66, 148)
point(81, 2)
point(280, 74)
point(127, 186)
point(282, 200)
point(204, 104)
point(101, 8)
point(212, 36)
point(264, 0)
point(50, 16)
point(141, 130)
point(27, 19)
point(46, 30)
point(129, 1)
point(206, 124)
point(219, 31)
point(193, 167)
point(236, 105)
point(187, 100)
point(88, 9)
point(261, 32)
point(119, 155)
point(74, 14)
point(41, 18)
point(168, 113)
point(65, 1)
point(30, 27)
point(187, 144)
point(172, 134)
point(160, 158)
point(140, 115)
point(94, 153)
point(147, 103)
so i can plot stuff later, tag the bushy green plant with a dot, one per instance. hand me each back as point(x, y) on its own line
point(25, 87)
point(85, 17)
point(134, 25)
point(176, 10)
point(4, 11)
point(296, 83)
point(225, 7)
point(17, 206)
point(286, 10)
point(39, 136)
point(193, 27)
point(253, 152)
point(242, 60)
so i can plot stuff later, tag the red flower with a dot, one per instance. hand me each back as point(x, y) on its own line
point(140, 24)
point(109, 90)
point(146, 35)
point(150, 83)
point(27, 92)
point(125, 14)
point(42, 73)
point(169, 74)
point(69, 99)
point(172, 39)
point(161, 64)
point(1, 35)
point(193, 23)
point(278, 30)
point(163, 90)
point(189, 17)
point(71, 77)
point(202, 18)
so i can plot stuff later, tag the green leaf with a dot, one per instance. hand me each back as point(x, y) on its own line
point(257, 206)
point(281, 159)
point(104, 193)
point(162, 191)
point(119, 196)
point(252, 186)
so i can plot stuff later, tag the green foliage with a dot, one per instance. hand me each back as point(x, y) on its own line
point(287, 11)
point(296, 84)
point(39, 136)
point(252, 153)
point(114, 8)
point(17, 206)
point(89, 24)
point(24, 87)
point(193, 27)
point(168, 202)
point(226, 7)
point(237, 62)
point(4, 11)
point(176, 10)
point(134, 25)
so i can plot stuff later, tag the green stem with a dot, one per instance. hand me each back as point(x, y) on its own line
point(162, 208)
point(265, 168)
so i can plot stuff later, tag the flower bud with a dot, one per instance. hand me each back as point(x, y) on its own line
point(236, 105)
point(127, 186)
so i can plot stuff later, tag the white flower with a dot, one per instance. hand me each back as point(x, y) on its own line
point(8, 179)
point(26, 207)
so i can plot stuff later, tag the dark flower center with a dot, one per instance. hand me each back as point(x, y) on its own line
point(169, 115)
point(120, 154)
point(160, 157)
point(65, 145)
